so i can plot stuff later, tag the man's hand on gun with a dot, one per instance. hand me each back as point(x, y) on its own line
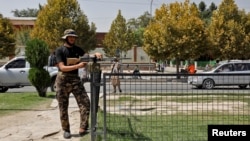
point(82, 61)
point(98, 56)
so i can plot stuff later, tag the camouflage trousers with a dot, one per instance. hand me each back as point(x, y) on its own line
point(65, 85)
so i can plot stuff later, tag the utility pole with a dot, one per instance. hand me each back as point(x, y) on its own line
point(150, 22)
point(151, 9)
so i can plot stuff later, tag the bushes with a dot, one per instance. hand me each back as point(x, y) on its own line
point(37, 53)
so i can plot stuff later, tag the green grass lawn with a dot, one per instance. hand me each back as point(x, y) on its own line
point(169, 128)
point(182, 125)
point(15, 102)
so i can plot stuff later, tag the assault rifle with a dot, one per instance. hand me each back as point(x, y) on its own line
point(87, 58)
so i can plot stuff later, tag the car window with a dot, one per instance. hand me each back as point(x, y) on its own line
point(248, 66)
point(226, 68)
point(242, 67)
point(17, 64)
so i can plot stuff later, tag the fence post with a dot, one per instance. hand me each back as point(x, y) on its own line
point(95, 79)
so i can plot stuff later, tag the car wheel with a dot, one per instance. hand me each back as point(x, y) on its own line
point(52, 85)
point(242, 86)
point(208, 84)
point(3, 89)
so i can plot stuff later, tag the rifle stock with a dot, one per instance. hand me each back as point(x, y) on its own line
point(85, 58)
point(72, 61)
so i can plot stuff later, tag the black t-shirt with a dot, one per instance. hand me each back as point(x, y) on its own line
point(62, 53)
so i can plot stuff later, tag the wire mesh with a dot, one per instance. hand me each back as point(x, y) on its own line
point(160, 107)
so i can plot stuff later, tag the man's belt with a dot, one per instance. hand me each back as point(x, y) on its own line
point(67, 74)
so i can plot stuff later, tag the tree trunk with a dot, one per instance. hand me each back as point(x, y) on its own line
point(42, 91)
point(177, 68)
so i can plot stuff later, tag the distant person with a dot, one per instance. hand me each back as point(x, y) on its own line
point(115, 80)
point(191, 68)
point(162, 67)
point(136, 72)
point(217, 63)
point(207, 67)
point(225, 69)
point(128, 68)
point(185, 69)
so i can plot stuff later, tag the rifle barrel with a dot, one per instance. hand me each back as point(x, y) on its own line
point(94, 59)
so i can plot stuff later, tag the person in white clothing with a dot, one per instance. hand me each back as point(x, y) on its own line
point(115, 80)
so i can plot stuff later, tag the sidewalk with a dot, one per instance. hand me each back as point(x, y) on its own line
point(42, 125)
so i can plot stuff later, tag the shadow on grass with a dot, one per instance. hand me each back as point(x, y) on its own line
point(130, 134)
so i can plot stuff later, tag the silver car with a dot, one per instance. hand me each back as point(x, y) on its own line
point(14, 74)
point(226, 73)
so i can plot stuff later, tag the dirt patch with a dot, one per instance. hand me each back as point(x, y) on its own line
point(23, 116)
point(42, 124)
point(154, 105)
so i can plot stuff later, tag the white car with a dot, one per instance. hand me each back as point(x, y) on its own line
point(14, 74)
point(227, 73)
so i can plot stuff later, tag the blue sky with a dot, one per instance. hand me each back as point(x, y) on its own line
point(103, 12)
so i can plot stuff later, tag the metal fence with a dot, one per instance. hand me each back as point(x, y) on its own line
point(164, 107)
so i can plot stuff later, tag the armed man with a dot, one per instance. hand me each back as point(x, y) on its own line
point(68, 81)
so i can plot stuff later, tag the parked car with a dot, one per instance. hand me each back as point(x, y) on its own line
point(14, 74)
point(226, 73)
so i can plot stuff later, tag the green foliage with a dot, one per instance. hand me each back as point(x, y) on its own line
point(39, 78)
point(140, 22)
point(30, 12)
point(202, 6)
point(37, 53)
point(205, 13)
point(137, 26)
point(212, 7)
point(23, 35)
point(59, 15)
point(11, 103)
point(229, 32)
point(7, 39)
point(119, 38)
point(176, 32)
point(138, 36)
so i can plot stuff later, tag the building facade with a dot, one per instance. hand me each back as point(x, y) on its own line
point(135, 55)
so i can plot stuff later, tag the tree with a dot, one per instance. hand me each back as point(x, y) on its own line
point(30, 12)
point(7, 38)
point(140, 22)
point(202, 6)
point(228, 32)
point(119, 38)
point(59, 15)
point(137, 26)
point(176, 32)
point(22, 35)
point(36, 54)
point(212, 7)
point(206, 13)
